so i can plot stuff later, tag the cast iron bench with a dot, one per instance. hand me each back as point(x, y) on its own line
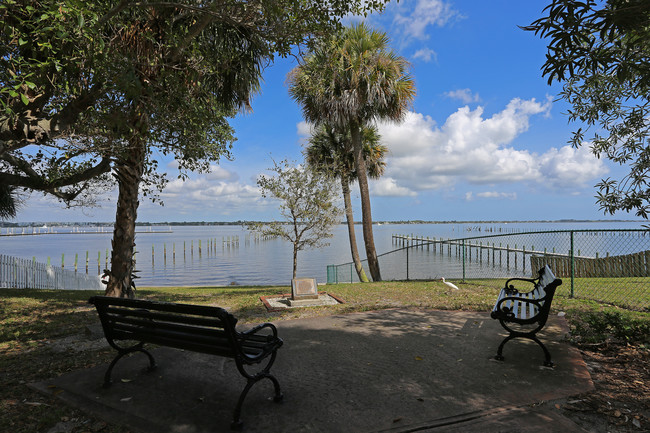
point(195, 328)
point(526, 310)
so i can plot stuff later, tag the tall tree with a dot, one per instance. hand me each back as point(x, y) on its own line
point(350, 80)
point(306, 205)
point(330, 152)
point(90, 87)
point(600, 51)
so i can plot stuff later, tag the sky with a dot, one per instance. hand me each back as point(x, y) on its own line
point(485, 139)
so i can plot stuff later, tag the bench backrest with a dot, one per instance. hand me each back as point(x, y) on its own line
point(198, 328)
point(532, 306)
point(545, 289)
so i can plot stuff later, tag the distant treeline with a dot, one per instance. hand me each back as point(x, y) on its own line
point(240, 223)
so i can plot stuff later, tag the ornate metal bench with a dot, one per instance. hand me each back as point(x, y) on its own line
point(195, 328)
point(523, 314)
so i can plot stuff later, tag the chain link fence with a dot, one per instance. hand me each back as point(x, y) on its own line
point(610, 266)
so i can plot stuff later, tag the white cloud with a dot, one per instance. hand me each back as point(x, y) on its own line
point(386, 187)
point(219, 173)
point(304, 129)
point(464, 95)
point(425, 54)
point(472, 148)
point(208, 195)
point(469, 196)
point(414, 23)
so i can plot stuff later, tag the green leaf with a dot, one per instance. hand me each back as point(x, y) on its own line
point(24, 98)
point(21, 41)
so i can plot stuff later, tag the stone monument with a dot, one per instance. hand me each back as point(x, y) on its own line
point(304, 291)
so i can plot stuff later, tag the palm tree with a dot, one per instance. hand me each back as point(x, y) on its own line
point(9, 202)
point(330, 153)
point(350, 81)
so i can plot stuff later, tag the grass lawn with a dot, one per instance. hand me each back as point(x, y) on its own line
point(32, 321)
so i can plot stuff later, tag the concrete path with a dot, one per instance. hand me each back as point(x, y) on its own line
point(397, 370)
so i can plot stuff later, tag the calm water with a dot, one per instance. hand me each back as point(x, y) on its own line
point(250, 262)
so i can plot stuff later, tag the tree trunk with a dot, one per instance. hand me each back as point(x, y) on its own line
point(128, 172)
point(295, 260)
point(362, 177)
point(345, 186)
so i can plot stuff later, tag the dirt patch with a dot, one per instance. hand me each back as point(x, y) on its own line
point(621, 401)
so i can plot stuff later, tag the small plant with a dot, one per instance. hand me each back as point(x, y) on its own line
point(611, 325)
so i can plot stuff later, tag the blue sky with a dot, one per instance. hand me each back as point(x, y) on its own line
point(484, 140)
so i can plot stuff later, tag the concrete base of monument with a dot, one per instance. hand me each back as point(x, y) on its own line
point(282, 302)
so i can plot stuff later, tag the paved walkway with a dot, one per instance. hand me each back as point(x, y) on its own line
point(397, 370)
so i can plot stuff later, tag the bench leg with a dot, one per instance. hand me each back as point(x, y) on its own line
point(237, 423)
point(499, 355)
point(547, 354)
point(123, 352)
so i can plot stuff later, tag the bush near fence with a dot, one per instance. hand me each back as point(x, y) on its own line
point(17, 273)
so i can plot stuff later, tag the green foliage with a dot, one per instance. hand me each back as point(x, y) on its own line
point(620, 326)
point(330, 152)
point(307, 205)
point(601, 52)
point(79, 80)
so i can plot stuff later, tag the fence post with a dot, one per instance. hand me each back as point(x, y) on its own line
point(407, 260)
point(572, 264)
point(463, 246)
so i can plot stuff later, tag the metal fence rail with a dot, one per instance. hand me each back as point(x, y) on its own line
point(610, 266)
point(17, 273)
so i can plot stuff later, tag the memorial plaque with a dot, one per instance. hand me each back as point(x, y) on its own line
point(304, 288)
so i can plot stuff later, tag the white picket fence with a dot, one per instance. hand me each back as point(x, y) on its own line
point(17, 273)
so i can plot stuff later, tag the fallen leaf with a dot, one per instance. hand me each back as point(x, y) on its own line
point(35, 403)
point(397, 419)
point(126, 380)
point(126, 399)
point(636, 423)
point(418, 358)
point(617, 413)
point(557, 406)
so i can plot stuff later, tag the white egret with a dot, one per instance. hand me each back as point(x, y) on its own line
point(453, 286)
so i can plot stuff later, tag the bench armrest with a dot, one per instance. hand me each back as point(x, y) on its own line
point(258, 328)
point(512, 290)
point(267, 344)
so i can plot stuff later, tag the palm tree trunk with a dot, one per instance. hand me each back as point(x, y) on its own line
point(362, 177)
point(345, 186)
point(128, 172)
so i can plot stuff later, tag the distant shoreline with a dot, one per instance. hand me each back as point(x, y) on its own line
point(240, 223)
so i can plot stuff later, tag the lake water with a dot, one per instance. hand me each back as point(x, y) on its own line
point(250, 261)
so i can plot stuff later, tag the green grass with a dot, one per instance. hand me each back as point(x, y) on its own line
point(31, 319)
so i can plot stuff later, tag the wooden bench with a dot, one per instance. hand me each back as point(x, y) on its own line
point(523, 314)
point(195, 328)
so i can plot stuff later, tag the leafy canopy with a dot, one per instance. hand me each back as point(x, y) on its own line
point(71, 73)
point(600, 51)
